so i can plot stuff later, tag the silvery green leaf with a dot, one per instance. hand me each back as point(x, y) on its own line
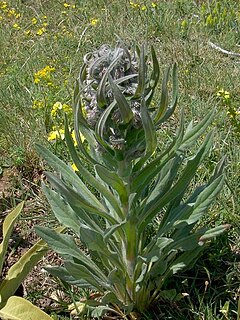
point(75, 199)
point(101, 92)
point(63, 274)
point(212, 233)
point(172, 108)
point(149, 129)
point(122, 103)
point(65, 245)
point(113, 180)
point(141, 75)
point(68, 174)
point(79, 271)
point(177, 191)
point(164, 98)
point(87, 175)
point(62, 211)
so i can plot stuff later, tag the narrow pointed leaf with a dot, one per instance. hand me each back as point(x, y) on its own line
point(7, 228)
point(113, 180)
point(68, 174)
point(149, 129)
point(66, 246)
point(172, 108)
point(164, 97)
point(122, 103)
point(91, 179)
point(79, 272)
point(101, 92)
point(212, 233)
point(178, 189)
point(76, 200)
point(141, 75)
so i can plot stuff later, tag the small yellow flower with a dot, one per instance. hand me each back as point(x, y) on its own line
point(66, 108)
point(224, 94)
point(37, 104)
point(41, 31)
point(44, 73)
point(227, 95)
point(143, 8)
point(94, 22)
point(134, 4)
point(56, 134)
point(52, 135)
point(11, 12)
point(34, 21)
point(74, 167)
point(184, 24)
point(153, 4)
point(3, 5)
point(57, 106)
point(74, 137)
point(66, 5)
point(16, 26)
point(18, 15)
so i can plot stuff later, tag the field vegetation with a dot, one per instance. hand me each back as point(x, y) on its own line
point(43, 43)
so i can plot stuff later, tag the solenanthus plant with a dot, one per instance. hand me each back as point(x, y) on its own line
point(109, 207)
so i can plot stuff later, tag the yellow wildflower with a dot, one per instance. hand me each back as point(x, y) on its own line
point(94, 22)
point(37, 104)
point(134, 4)
point(44, 73)
point(55, 134)
point(57, 106)
point(153, 4)
point(74, 137)
point(18, 15)
point(227, 95)
point(66, 5)
point(41, 31)
point(74, 167)
point(11, 12)
point(3, 5)
point(16, 26)
point(224, 94)
point(143, 8)
point(220, 92)
point(66, 108)
point(34, 21)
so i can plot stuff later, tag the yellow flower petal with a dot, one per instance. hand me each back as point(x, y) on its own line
point(74, 167)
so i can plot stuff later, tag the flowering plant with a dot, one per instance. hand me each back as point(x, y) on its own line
point(130, 184)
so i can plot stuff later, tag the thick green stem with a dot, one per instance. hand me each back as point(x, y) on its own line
point(131, 240)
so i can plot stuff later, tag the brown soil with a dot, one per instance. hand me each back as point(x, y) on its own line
point(39, 287)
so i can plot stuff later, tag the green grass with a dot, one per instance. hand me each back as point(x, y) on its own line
point(58, 34)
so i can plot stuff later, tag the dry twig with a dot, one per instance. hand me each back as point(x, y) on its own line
point(229, 53)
